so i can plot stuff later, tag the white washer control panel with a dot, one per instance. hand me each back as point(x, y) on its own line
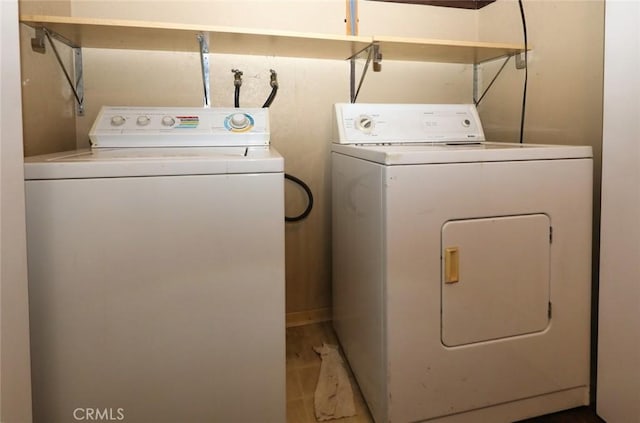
point(362, 123)
point(180, 127)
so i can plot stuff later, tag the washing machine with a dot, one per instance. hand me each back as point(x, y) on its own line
point(156, 271)
point(461, 267)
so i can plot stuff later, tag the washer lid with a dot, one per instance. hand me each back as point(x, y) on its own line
point(126, 162)
point(426, 153)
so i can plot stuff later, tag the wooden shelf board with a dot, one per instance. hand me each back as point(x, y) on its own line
point(143, 35)
point(445, 51)
point(138, 35)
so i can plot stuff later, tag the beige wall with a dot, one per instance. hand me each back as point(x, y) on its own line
point(321, 16)
point(301, 113)
point(45, 7)
point(564, 100)
point(47, 101)
point(412, 20)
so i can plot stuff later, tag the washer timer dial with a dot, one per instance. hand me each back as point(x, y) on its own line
point(239, 122)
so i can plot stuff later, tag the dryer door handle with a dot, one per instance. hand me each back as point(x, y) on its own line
point(451, 265)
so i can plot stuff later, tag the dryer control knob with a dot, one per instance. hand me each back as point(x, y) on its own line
point(117, 120)
point(239, 121)
point(365, 124)
point(143, 120)
point(168, 121)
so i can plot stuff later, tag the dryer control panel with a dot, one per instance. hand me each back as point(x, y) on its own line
point(179, 127)
point(406, 123)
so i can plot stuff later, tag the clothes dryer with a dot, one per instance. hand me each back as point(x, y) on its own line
point(462, 268)
point(156, 271)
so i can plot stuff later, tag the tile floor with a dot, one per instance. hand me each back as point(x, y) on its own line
point(303, 368)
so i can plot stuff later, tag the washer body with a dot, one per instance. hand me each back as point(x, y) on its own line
point(462, 273)
point(156, 284)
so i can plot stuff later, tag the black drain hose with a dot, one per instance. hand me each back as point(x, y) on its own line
point(307, 190)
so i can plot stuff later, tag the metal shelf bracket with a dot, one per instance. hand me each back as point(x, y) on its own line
point(38, 45)
point(521, 63)
point(521, 60)
point(374, 56)
point(44, 35)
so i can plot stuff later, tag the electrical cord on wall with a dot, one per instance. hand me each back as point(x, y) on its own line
point(237, 82)
point(526, 70)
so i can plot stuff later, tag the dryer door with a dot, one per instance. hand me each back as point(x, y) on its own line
point(495, 278)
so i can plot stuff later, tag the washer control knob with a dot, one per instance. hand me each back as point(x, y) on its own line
point(239, 121)
point(143, 120)
point(466, 123)
point(168, 121)
point(117, 120)
point(365, 124)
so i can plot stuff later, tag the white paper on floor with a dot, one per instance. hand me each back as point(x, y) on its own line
point(333, 398)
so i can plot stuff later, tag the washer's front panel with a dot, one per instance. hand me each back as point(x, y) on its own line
point(160, 299)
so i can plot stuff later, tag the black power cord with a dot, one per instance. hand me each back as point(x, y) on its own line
point(526, 70)
point(307, 190)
